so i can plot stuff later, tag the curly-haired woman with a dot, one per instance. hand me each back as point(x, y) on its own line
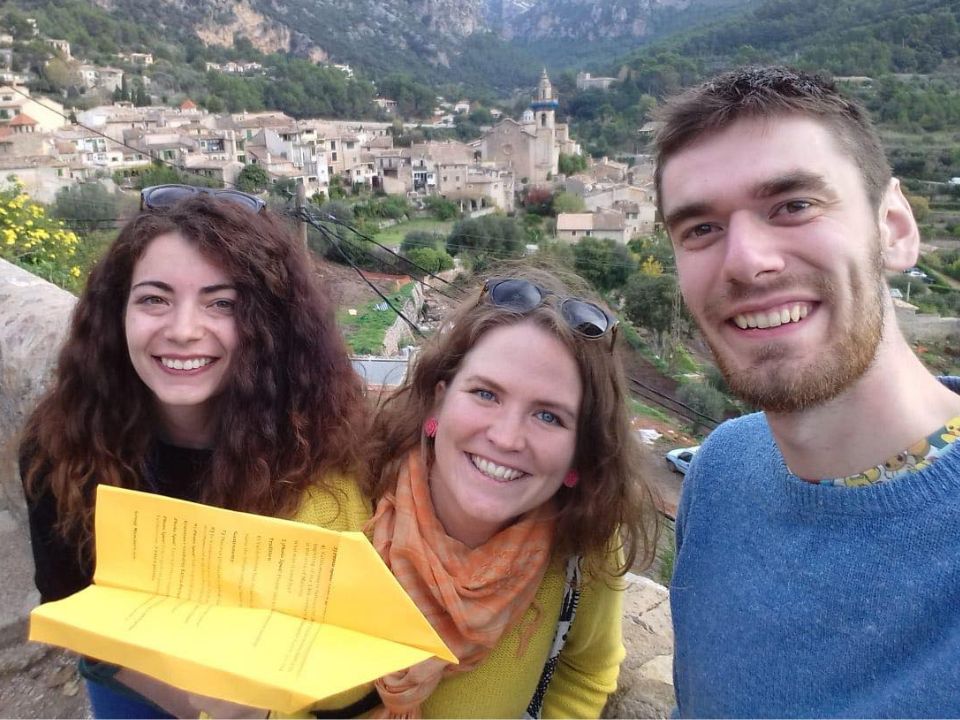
point(203, 362)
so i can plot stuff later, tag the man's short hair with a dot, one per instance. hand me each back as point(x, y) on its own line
point(769, 92)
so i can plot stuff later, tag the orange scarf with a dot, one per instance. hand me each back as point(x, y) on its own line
point(470, 596)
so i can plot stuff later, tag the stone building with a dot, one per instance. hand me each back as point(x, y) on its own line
point(532, 146)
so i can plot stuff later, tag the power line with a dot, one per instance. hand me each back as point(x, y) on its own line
point(658, 397)
point(335, 241)
point(313, 220)
point(364, 236)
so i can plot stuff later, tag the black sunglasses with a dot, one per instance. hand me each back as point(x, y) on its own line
point(584, 317)
point(163, 196)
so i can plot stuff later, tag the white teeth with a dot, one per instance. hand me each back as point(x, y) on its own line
point(498, 472)
point(773, 318)
point(191, 364)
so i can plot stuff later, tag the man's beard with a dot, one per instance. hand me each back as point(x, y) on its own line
point(783, 387)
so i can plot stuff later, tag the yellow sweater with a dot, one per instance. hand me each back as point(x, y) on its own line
point(502, 686)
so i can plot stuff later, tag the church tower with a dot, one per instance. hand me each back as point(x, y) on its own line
point(545, 155)
point(544, 106)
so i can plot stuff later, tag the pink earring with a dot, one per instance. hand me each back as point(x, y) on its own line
point(571, 478)
point(430, 427)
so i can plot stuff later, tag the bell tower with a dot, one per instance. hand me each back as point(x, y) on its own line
point(544, 106)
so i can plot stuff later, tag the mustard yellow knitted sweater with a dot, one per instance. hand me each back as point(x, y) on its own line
point(502, 686)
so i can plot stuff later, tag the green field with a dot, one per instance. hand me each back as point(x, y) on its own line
point(364, 332)
point(393, 236)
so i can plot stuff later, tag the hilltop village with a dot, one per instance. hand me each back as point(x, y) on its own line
point(48, 148)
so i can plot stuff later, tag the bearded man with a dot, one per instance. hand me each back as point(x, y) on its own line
point(818, 541)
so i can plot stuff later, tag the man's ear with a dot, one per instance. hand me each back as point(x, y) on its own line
point(899, 235)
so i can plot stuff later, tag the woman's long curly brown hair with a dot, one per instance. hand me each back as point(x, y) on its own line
point(291, 410)
point(609, 517)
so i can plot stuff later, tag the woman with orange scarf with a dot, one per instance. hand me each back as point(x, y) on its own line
point(504, 495)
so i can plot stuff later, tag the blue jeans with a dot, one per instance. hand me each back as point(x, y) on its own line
point(109, 702)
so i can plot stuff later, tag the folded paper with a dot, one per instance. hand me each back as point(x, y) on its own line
point(255, 610)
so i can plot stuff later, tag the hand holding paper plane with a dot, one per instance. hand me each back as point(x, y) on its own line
point(255, 610)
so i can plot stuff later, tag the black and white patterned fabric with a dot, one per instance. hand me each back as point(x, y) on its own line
point(568, 611)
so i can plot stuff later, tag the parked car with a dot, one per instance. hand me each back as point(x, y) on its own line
point(679, 459)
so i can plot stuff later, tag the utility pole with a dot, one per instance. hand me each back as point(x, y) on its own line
point(675, 318)
point(301, 208)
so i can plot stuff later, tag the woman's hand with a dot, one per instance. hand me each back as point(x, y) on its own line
point(211, 707)
point(183, 704)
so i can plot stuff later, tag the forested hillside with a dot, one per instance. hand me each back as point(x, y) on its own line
point(909, 50)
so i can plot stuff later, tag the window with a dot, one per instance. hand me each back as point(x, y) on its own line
point(333, 156)
point(333, 144)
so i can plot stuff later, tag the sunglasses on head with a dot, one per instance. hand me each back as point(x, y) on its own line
point(163, 196)
point(582, 316)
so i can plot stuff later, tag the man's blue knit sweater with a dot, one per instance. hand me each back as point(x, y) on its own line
point(795, 599)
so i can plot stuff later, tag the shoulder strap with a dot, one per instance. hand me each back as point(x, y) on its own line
point(568, 611)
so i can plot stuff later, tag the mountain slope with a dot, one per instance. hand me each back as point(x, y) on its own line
point(847, 37)
point(477, 42)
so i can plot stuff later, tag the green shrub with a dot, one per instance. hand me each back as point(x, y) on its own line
point(704, 399)
point(441, 208)
point(420, 239)
point(429, 259)
point(35, 242)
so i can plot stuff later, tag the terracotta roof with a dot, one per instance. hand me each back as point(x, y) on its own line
point(22, 119)
point(188, 104)
point(574, 221)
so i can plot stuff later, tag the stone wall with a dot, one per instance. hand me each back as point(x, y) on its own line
point(33, 319)
point(399, 334)
point(917, 327)
point(646, 675)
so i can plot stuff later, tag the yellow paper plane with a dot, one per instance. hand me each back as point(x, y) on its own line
point(256, 610)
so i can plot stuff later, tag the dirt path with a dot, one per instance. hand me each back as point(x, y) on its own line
point(40, 682)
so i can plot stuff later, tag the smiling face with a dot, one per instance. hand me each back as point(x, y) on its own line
point(181, 334)
point(778, 254)
point(507, 431)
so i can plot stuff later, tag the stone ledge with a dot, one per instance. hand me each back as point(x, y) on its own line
point(646, 675)
point(33, 320)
